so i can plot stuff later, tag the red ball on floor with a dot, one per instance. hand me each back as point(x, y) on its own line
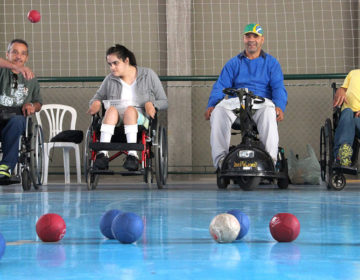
point(50, 227)
point(284, 227)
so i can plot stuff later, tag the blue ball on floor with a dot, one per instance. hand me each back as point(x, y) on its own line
point(2, 245)
point(243, 220)
point(106, 221)
point(127, 227)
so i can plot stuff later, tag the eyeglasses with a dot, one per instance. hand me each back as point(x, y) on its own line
point(14, 83)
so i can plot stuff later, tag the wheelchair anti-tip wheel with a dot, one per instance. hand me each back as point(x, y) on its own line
point(25, 179)
point(92, 180)
point(161, 156)
point(283, 183)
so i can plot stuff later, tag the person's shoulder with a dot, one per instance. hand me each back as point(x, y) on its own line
point(143, 71)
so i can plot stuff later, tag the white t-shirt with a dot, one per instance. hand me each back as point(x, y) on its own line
point(128, 91)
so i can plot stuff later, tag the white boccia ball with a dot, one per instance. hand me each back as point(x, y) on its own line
point(224, 228)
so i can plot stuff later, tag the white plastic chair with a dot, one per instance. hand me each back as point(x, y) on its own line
point(55, 114)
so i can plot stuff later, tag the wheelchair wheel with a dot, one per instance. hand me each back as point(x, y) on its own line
point(148, 177)
point(92, 180)
point(36, 156)
point(221, 182)
point(283, 183)
point(327, 153)
point(25, 179)
point(322, 153)
point(248, 183)
point(337, 181)
point(161, 156)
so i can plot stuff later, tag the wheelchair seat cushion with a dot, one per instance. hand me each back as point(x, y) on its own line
point(74, 136)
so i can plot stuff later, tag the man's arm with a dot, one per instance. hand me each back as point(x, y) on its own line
point(25, 71)
point(30, 108)
point(340, 97)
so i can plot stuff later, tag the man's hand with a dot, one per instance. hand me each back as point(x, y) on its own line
point(279, 114)
point(150, 109)
point(25, 71)
point(357, 114)
point(28, 109)
point(208, 113)
point(340, 97)
point(95, 107)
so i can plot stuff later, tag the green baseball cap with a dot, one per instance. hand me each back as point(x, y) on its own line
point(254, 28)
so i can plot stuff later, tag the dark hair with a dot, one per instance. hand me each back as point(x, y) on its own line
point(122, 53)
point(20, 41)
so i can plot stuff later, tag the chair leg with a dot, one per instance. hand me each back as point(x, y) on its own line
point(46, 163)
point(66, 152)
point(78, 166)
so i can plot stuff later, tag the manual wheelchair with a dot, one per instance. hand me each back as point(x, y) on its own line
point(331, 171)
point(248, 163)
point(29, 169)
point(152, 143)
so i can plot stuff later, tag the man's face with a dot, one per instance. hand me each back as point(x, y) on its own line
point(18, 54)
point(117, 66)
point(253, 43)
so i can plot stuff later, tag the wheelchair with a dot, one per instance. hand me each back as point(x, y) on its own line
point(29, 169)
point(152, 143)
point(332, 173)
point(248, 163)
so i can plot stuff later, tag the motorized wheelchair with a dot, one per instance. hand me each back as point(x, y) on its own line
point(29, 169)
point(152, 143)
point(331, 171)
point(248, 163)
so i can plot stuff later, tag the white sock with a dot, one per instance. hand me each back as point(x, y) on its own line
point(107, 131)
point(131, 131)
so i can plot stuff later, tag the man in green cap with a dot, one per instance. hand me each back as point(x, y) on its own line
point(260, 73)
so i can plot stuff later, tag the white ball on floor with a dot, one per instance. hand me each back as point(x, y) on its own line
point(224, 228)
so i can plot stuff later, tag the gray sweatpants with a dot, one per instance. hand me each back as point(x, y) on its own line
point(221, 120)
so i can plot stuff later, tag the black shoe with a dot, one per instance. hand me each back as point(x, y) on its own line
point(131, 163)
point(101, 162)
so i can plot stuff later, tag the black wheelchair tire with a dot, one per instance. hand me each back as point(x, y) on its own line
point(328, 150)
point(25, 180)
point(161, 156)
point(221, 182)
point(92, 180)
point(322, 153)
point(248, 183)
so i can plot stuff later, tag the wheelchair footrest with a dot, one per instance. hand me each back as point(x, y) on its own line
point(111, 172)
point(352, 170)
point(98, 146)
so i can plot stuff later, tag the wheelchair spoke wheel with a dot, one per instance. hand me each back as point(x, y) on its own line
point(248, 183)
point(161, 157)
point(328, 152)
point(25, 180)
point(36, 156)
point(322, 153)
point(92, 180)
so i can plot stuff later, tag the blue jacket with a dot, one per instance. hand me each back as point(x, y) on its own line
point(263, 76)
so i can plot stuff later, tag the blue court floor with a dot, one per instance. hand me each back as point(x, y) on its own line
point(176, 243)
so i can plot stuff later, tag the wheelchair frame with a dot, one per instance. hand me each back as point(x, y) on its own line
point(153, 145)
point(29, 169)
point(331, 172)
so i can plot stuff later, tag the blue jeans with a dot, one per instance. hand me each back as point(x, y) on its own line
point(347, 128)
point(10, 137)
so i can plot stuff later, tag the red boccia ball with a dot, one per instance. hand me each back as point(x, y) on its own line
point(50, 227)
point(34, 16)
point(284, 227)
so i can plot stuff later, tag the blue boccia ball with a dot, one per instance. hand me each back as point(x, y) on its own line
point(106, 221)
point(243, 220)
point(127, 227)
point(2, 245)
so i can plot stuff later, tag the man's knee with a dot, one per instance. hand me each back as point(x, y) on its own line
point(16, 123)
